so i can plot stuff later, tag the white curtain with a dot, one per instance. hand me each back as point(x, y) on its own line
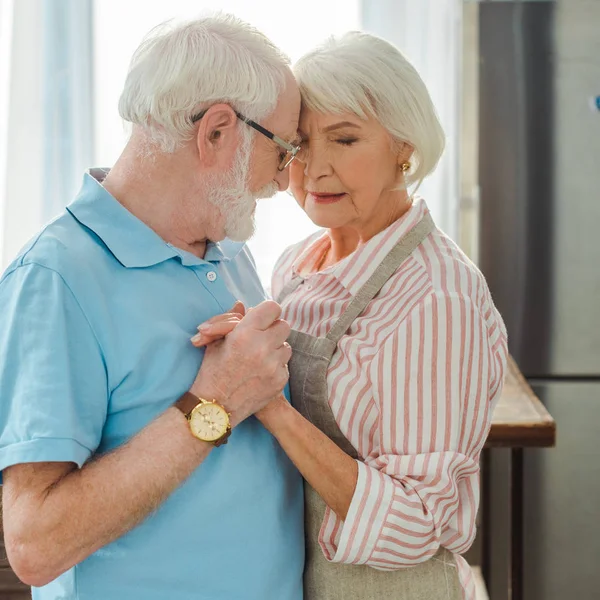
point(68, 100)
point(429, 33)
point(6, 27)
point(21, 187)
point(45, 112)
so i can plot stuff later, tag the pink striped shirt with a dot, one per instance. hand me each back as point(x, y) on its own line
point(412, 385)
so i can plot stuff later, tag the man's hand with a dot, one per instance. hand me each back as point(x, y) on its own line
point(248, 368)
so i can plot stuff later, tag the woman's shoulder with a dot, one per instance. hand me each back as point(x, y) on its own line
point(453, 276)
point(449, 268)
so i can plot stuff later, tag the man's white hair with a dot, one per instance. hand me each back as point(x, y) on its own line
point(363, 74)
point(180, 69)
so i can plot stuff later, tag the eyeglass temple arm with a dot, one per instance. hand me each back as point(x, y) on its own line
point(266, 132)
point(256, 126)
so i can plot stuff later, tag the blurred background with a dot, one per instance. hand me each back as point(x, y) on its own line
point(517, 88)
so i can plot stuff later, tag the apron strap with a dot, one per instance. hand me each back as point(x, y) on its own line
point(388, 266)
point(291, 286)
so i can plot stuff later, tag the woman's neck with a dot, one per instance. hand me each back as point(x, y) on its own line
point(346, 240)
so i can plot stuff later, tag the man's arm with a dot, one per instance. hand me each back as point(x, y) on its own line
point(56, 515)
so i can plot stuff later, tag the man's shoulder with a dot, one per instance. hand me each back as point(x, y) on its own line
point(63, 246)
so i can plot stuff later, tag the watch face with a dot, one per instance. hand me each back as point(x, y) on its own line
point(209, 422)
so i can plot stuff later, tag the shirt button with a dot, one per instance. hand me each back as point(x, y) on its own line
point(211, 276)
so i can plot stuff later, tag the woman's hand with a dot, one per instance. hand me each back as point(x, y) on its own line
point(219, 326)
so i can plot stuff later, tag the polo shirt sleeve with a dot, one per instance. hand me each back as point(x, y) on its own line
point(53, 381)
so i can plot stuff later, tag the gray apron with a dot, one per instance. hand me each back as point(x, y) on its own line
point(434, 579)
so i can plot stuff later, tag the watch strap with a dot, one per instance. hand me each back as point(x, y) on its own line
point(223, 439)
point(187, 402)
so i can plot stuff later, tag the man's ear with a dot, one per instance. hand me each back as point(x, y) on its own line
point(217, 135)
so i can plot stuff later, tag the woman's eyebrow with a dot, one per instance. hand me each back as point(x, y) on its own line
point(339, 126)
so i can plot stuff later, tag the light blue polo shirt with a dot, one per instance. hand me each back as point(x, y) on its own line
point(96, 316)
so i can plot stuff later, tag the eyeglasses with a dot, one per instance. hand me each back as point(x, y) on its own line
point(285, 157)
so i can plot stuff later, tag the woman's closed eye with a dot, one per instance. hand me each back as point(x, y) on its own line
point(346, 141)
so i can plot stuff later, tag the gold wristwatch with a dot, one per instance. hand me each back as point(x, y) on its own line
point(209, 421)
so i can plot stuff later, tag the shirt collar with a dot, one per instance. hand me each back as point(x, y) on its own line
point(354, 270)
point(129, 239)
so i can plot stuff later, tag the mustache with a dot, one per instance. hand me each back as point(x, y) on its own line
point(267, 191)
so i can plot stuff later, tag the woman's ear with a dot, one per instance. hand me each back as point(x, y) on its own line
point(405, 152)
point(217, 136)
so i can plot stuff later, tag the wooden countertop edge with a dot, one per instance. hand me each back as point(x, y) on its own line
point(524, 385)
point(539, 433)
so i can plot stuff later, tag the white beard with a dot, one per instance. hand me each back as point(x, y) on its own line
point(230, 195)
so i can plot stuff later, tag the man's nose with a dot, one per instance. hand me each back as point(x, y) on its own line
point(283, 179)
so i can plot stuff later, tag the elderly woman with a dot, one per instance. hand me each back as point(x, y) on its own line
point(398, 350)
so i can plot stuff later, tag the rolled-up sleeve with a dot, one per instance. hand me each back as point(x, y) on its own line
point(53, 383)
point(435, 381)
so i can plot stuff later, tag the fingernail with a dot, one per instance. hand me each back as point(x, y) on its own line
point(196, 338)
point(203, 327)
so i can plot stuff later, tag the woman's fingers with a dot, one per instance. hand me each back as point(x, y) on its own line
point(237, 311)
point(219, 326)
point(220, 318)
point(204, 340)
point(239, 308)
point(210, 332)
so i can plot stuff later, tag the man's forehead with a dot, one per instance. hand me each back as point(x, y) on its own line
point(291, 128)
point(284, 119)
point(286, 129)
point(292, 133)
point(289, 110)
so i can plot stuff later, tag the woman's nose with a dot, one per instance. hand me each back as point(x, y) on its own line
point(317, 164)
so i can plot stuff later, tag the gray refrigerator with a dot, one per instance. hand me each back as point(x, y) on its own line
point(539, 247)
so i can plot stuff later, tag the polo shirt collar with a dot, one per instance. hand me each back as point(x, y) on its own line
point(130, 240)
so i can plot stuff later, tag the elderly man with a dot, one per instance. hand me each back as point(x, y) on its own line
point(117, 481)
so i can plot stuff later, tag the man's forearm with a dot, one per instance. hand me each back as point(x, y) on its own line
point(69, 519)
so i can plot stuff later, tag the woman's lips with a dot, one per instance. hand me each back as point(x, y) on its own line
point(325, 198)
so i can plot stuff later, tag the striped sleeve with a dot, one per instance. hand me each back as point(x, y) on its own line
point(431, 383)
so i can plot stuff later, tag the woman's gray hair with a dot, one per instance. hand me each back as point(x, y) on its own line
point(180, 69)
point(363, 74)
